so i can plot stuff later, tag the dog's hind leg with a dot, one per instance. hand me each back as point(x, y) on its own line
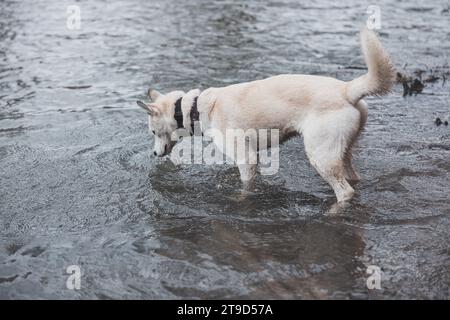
point(327, 136)
point(350, 173)
point(332, 171)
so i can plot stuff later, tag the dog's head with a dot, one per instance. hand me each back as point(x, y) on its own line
point(161, 121)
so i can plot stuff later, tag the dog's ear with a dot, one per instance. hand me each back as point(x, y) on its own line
point(150, 109)
point(153, 94)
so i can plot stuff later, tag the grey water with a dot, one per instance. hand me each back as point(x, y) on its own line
point(79, 186)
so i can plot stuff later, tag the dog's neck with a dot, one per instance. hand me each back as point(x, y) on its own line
point(193, 114)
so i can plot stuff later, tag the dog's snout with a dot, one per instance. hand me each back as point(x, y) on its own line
point(154, 153)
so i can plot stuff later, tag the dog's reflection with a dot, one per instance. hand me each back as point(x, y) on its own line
point(315, 258)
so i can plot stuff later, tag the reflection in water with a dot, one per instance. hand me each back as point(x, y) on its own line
point(300, 259)
point(78, 184)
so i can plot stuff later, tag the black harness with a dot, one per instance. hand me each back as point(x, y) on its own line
point(194, 115)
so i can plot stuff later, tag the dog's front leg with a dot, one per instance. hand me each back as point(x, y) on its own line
point(248, 173)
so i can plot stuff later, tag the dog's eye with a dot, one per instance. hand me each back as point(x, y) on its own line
point(153, 131)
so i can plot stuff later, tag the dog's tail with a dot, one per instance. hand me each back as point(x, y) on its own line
point(380, 78)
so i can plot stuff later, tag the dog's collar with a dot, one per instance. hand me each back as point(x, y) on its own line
point(194, 114)
point(178, 114)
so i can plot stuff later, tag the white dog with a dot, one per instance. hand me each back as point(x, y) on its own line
point(327, 112)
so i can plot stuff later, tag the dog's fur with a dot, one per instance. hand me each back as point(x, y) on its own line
point(329, 113)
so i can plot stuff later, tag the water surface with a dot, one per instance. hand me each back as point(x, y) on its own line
point(79, 186)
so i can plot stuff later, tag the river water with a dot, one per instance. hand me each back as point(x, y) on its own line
point(79, 185)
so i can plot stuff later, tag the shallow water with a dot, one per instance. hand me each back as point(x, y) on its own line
point(79, 187)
